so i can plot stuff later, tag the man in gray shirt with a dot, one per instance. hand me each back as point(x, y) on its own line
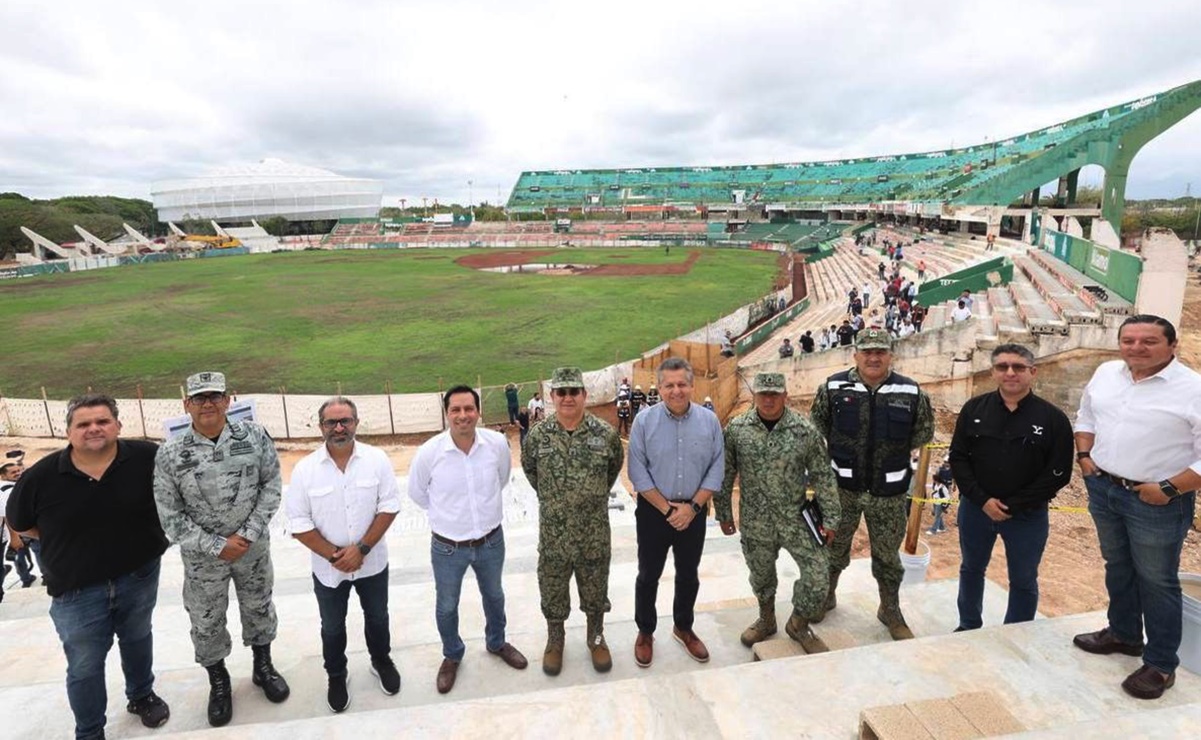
point(676, 463)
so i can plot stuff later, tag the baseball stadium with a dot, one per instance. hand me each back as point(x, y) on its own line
point(617, 271)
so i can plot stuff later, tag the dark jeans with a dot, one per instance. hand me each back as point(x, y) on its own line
point(1025, 538)
point(655, 538)
point(86, 620)
point(332, 604)
point(450, 565)
point(24, 561)
point(1141, 546)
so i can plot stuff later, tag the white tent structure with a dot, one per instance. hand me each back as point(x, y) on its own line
point(267, 189)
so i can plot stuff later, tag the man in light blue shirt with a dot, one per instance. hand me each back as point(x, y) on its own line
point(676, 463)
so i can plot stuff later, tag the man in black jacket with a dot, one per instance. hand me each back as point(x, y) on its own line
point(1011, 453)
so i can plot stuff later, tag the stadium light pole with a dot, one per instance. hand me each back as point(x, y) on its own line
point(471, 199)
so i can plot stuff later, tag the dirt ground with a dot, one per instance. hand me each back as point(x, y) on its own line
point(1071, 576)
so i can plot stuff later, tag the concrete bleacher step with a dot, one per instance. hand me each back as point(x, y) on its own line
point(1034, 310)
point(1074, 280)
point(1073, 308)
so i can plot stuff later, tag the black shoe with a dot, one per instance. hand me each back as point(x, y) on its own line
point(266, 677)
point(153, 710)
point(389, 677)
point(27, 584)
point(338, 697)
point(221, 700)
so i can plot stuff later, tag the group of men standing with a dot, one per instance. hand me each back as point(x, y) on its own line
point(105, 509)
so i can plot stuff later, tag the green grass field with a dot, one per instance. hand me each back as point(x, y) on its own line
point(312, 320)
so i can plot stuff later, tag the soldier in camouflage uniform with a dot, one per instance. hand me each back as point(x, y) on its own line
point(872, 419)
point(572, 460)
point(217, 485)
point(775, 452)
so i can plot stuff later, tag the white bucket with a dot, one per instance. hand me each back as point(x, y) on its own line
point(1190, 636)
point(916, 565)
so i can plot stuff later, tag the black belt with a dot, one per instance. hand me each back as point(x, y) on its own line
point(1123, 482)
point(465, 543)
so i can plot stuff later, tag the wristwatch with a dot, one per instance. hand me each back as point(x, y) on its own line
point(1081, 455)
point(696, 508)
point(333, 558)
point(364, 549)
point(1168, 489)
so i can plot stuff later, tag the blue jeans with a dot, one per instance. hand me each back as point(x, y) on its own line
point(1141, 545)
point(1025, 538)
point(24, 561)
point(86, 620)
point(937, 525)
point(332, 604)
point(450, 565)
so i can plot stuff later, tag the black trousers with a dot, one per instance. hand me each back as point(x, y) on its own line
point(655, 538)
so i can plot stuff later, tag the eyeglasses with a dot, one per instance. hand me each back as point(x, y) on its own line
point(201, 399)
point(560, 392)
point(335, 423)
point(1004, 367)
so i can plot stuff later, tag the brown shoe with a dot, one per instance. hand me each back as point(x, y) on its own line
point(1148, 683)
point(696, 649)
point(447, 674)
point(644, 649)
point(512, 656)
point(1103, 642)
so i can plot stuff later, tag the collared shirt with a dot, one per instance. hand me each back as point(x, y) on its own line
point(461, 491)
point(1021, 457)
point(1146, 430)
point(91, 530)
point(341, 505)
point(677, 455)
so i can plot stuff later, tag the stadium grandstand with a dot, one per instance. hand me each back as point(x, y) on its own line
point(947, 184)
point(264, 190)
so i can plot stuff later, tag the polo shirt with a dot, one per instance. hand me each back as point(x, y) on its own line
point(92, 531)
point(1021, 457)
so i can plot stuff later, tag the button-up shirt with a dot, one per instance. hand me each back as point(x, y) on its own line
point(677, 455)
point(461, 491)
point(341, 505)
point(1146, 430)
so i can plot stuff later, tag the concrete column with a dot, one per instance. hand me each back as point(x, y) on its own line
point(1105, 235)
point(1165, 272)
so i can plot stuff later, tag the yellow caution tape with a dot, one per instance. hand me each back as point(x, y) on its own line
point(937, 446)
point(1068, 509)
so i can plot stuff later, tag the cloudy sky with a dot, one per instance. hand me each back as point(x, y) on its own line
point(107, 97)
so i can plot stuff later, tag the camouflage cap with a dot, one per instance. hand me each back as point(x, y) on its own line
point(205, 383)
point(567, 377)
point(769, 383)
point(873, 339)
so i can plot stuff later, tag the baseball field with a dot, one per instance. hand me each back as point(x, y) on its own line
point(309, 321)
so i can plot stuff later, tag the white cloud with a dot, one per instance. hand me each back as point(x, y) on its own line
point(108, 97)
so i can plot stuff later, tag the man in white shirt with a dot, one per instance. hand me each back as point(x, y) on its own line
point(457, 477)
point(536, 407)
point(961, 312)
point(1138, 443)
point(342, 499)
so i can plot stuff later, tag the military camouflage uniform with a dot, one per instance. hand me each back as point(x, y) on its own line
point(774, 468)
point(573, 473)
point(881, 502)
point(205, 492)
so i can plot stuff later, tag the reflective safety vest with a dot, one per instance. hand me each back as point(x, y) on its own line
point(870, 432)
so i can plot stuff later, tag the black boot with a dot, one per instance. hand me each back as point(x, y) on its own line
point(221, 700)
point(265, 675)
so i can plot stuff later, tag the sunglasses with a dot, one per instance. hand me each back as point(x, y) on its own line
point(1016, 367)
point(335, 423)
point(560, 392)
point(201, 399)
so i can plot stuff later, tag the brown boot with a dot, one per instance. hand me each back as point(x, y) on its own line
point(602, 660)
point(552, 657)
point(798, 629)
point(890, 614)
point(763, 627)
point(831, 598)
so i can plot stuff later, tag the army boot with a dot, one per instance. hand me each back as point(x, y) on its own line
point(221, 700)
point(831, 598)
point(763, 627)
point(602, 661)
point(552, 657)
point(265, 675)
point(890, 614)
point(799, 630)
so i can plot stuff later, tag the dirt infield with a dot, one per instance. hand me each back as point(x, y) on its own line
point(509, 259)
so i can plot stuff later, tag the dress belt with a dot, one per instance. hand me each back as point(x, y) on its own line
point(1123, 482)
point(465, 543)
